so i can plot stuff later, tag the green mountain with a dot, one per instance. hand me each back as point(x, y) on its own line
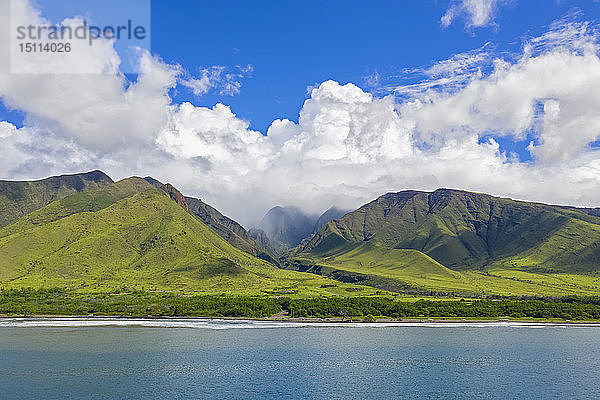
point(20, 198)
point(460, 237)
point(87, 233)
point(464, 230)
point(283, 228)
point(130, 234)
point(225, 227)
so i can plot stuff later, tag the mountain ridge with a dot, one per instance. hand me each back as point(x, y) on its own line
point(130, 234)
point(286, 226)
point(460, 229)
point(329, 215)
point(224, 226)
point(19, 198)
point(140, 232)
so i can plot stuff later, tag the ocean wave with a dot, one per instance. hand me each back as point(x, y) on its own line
point(222, 324)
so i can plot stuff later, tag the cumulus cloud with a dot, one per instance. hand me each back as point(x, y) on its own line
point(98, 109)
point(562, 77)
point(346, 147)
point(349, 146)
point(477, 13)
point(31, 152)
point(95, 110)
point(215, 135)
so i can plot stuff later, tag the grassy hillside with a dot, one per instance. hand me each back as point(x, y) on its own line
point(468, 231)
point(411, 271)
point(131, 235)
point(455, 241)
point(134, 234)
point(225, 227)
point(19, 198)
point(574, 248)
point(406, 267)
point(411, 264)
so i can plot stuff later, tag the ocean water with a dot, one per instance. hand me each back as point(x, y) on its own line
point(212, 359)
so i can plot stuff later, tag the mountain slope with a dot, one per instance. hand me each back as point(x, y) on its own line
point(329, 215)
point(225, 227)
point(130, 234)
point(411, 271)
point(403, 265)
point(19, 198)
point(464, 230)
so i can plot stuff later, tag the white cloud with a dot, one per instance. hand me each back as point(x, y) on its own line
point(215, 135)
point(347, 146)
point(97, 110)
point(7, 130)
point(209, 78)
point(478, 13)
point(225, 81)
point(30, 152)
point(449, 75)
point(100, 110)
point(564, 79)
point(101, 58)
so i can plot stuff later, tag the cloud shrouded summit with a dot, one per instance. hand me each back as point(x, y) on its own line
point(346, 147)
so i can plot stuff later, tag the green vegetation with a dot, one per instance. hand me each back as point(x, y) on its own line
point(61, 302)
point(410, 271)
point(88, 235)
point(574, 247)
point(452, 241)
point(225, 227)
point(130, 234)
point(20, 198)
point(468, 231)
point(568, 309)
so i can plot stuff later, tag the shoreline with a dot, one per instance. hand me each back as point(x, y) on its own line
point(300, 321)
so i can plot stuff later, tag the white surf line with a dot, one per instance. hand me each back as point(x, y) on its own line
point(216, 324)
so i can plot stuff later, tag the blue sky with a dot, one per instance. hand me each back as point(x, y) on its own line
point(292, 45)
point(498, 96)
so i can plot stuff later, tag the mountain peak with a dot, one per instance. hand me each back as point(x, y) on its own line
point(18, 198)
point(332, 213)
point(95, 175)
point(287, 226)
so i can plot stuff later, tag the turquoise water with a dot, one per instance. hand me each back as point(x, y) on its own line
point(252, 360)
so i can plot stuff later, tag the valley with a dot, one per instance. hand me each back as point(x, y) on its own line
point(88, 234)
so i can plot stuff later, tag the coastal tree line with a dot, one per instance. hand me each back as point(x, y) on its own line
point(62, 302)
